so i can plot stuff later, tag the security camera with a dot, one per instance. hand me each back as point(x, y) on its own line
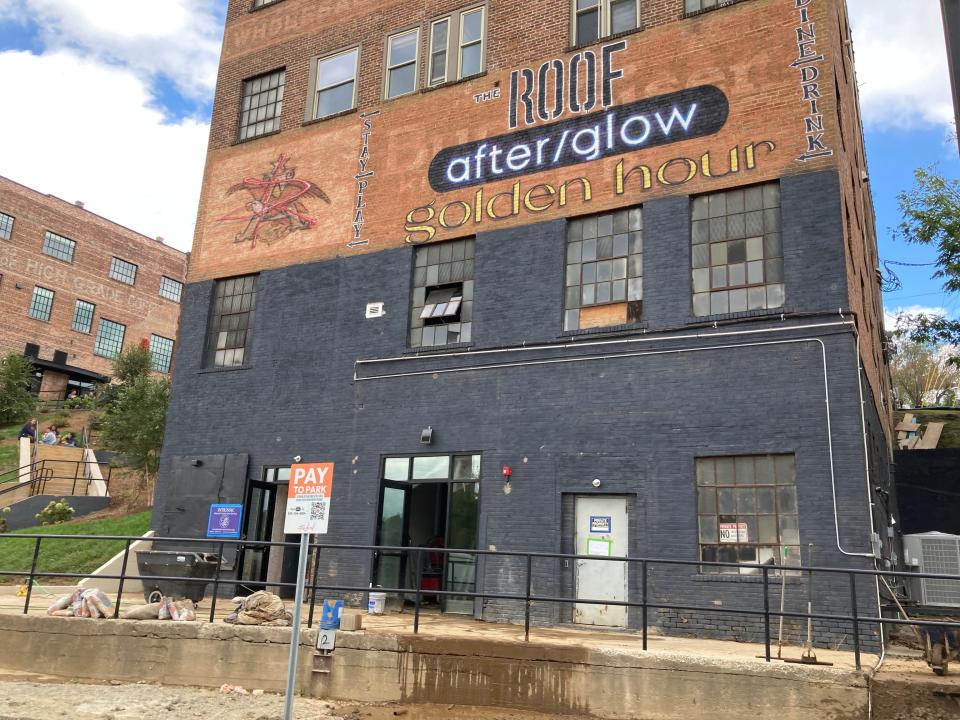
point(297, 458)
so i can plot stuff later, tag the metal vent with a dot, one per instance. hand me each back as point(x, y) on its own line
point(941, 555)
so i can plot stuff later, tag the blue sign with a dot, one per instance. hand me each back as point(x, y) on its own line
point(330, 614)
point(601, 523)
point(225, 521)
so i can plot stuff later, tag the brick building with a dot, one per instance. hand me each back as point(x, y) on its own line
point(623, 248)
point(76, 288)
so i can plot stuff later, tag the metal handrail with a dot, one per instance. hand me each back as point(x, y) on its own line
point(43, 471)
point(525, 595)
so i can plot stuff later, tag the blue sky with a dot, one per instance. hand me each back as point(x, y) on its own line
point(153, 65)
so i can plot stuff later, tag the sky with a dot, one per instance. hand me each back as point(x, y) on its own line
point(90, 84)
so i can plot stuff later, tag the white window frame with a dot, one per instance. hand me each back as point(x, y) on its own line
point(606, 17)
point(482, 41)
point(453, 68)
point(431, 80)
point(318, 87)
point(388, 67)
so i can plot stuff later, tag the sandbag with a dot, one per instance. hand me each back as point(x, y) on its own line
point(86, 603)
point(143, 612)
point(260, 608)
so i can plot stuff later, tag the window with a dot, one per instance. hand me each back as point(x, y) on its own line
point(58, 246)
point(231, 321)
point(83, 316)
point(125, 272)
point(442, 294)
point(261, 104)
point(263, 3)
point(161, 351)
point(109, 341)
point(693, 6)
point(736, 253)
point(170, 289)
point(336, 83)
point(747, 510)
point(594, 19)
point(6, 226)
point(402, 51)
point(460, 36)
point(41, 304)
point(604, 283)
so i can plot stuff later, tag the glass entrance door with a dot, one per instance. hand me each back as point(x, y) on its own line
point(392, 531)
point(260, 503)
point(461, 571)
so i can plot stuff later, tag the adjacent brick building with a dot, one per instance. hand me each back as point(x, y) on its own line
point(76, 288)
point(624, 249)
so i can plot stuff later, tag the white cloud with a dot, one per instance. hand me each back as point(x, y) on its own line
point(901, 62)
point(890, 315)
point(94, 137)
point(178, 39)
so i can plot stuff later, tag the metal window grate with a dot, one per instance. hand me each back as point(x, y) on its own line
point(941, 556)
point(58, 246)
point(109, 341)
point(161, 350)
point(83, 316)
point(231, 321)
point(262, 104)
point(170, 289)
point(41, 304)
point(6, 226)
point(125, 272)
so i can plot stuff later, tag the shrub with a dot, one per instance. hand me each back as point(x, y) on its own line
point(3, 520)
point(17, 403)
point(56, 512)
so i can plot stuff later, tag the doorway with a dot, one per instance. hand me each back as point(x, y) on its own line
point(602, 530)
point(430, 501)
point(265, 506)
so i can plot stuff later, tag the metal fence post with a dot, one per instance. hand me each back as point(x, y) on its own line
point(33, 569)
point(123, 577)
point(527, 603)
point(766, 612)
point(419, 593)
point(216, 581)
point(643, 601)
point(856, 622)
point(313, 585)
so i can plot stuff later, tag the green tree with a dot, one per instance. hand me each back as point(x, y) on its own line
point(16, 400)
point(923, 375)
point(133, 363)
point(931, 216)
point(134, 423)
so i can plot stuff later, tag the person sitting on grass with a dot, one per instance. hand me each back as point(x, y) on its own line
point(70, 440)
point(50, 436)
point(29, 429)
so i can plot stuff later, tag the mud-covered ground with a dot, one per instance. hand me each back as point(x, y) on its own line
point(50, 700)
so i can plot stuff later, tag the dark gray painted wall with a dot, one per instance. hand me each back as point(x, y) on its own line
point(637, 423)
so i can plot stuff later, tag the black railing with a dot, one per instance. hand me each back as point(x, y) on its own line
point(44, 472)
point(852, 616)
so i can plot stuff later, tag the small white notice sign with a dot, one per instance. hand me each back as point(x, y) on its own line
point(600, 548)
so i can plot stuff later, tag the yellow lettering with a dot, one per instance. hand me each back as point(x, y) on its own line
point(734, 164)
point(646, 179)
point(413, 225)
point(587, 190)
point(513, 195)
point(751, 152)
point(456, 203)
point(692, 170)
point(531, 196)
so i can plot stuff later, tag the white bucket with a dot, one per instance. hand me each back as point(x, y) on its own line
point(376, 603)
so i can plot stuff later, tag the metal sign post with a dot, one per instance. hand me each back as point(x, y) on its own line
point(308, 512)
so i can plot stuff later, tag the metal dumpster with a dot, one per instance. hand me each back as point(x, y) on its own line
point(180, 564)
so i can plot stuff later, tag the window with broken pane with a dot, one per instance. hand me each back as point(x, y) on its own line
point(604, 268)
point(747, 511)
point(442, 306)
point(737, 251)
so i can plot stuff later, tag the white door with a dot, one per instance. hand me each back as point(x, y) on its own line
point(601, 530)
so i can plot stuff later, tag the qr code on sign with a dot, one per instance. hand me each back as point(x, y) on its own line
point(318, 511)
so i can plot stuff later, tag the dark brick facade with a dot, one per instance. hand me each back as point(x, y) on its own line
point(637, 423)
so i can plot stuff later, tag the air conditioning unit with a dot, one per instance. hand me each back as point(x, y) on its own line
point(936, 553)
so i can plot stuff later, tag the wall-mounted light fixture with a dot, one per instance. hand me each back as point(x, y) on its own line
point(196, 462)
point(297, 458)
point(426, 436)
point(596, 482)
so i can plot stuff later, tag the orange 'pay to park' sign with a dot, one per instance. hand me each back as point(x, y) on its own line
point(308, 499)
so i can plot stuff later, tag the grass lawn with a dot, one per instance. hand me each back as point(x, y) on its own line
point(10, 432)
point(8, 458)
point(80, 556)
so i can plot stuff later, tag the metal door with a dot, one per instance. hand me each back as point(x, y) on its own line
point(601, 530)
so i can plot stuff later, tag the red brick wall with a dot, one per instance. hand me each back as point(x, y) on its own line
point(744, 49)
point(22, 263)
